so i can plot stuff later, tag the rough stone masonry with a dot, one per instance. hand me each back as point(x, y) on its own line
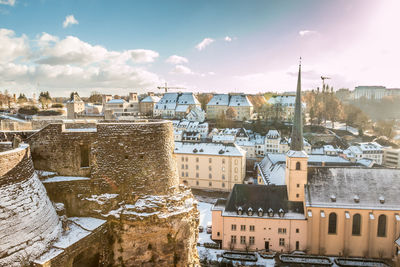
point(134, 184)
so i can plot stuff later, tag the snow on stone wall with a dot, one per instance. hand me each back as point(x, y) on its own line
point(28, 220)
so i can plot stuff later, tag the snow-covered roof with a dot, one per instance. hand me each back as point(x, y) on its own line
point(270, 171)
point(273, 134)
point(151, 99)
point(182, 108)
point(116, 101)
point(223, 138)
point(188, 99)
point(373, 188)
point(239, 100)
point(219, 100)
point(208, 149)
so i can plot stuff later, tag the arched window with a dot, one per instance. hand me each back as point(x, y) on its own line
point(297, 165)
point(332, 223)
point(356, 224)
point(382, 225)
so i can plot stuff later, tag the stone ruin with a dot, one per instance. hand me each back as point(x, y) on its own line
point(115, 188)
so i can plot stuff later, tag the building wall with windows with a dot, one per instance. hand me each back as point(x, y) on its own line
point(209, 165)
point(276, 234)
point(329, 236)
point(391, 157)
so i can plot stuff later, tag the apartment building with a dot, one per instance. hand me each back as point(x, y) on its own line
point(391, 157)
point(220, 103)
point(369, 150)
point(210, 165)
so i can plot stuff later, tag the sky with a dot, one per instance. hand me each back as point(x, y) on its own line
point(204, 46)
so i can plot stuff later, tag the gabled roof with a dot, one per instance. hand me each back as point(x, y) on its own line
point(239, 100)
point(151, 99)
point(116, 101)
point(188, 99)
point(219, 100)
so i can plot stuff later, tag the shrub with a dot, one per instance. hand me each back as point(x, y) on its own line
point(50, 113)
point(57, 105)
point(28, 110)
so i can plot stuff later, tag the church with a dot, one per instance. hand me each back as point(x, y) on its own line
point(322, 206)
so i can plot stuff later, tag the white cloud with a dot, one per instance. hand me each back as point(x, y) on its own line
point(143, 55)
point(7, 2)
point(228, 39)
point(12, 47)
point(211, 73)
point(70, 63)
point(174, 59)
point(179, 69)
point(307, 33)
point(203, 44)
point(69, 20)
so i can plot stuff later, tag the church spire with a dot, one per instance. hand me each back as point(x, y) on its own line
point(296, 143)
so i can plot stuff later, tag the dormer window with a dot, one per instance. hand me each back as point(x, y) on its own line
point(333, 198)
point(240, 211)
point(281, 213)
point(260, 212)
point(381, 199)
point(356, 199)
point(250, 211)
point(270, 212)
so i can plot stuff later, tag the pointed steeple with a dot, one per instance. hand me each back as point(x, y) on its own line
point(296, 143)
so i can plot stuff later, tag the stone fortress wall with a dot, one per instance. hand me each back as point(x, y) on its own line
point(28, 220)
point(134, 184)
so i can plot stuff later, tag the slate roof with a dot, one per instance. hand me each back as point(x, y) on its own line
point(219, 100)
point(261, 196)
point(369, 185)
point(188, 99)
point(240, 100)
point(208, 149)
point(151, 99)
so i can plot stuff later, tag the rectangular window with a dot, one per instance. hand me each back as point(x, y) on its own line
point(243, 227)
point(223, 161)
point(209, 168)
point(197, 175)
point(242, 239)
point(281, 242)
point(84, 155)
point(183, 166)
point(297, 230)
point(186, 166)
point(197, 159)
point(197, 167)
point(210, 184)
point(187, 159)
point(209, 160)
point(251, 240)
point(210, 175)
point(251, 228)
point(281, 230)
point(223, 184)
point(183, 159)
point(223, 176)
point(183, 174)
point(233, 239)
point(187, 174)
point(233, 227)
point(197, 182)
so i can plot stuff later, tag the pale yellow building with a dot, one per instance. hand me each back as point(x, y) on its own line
point(220, 103)
point(210, 165)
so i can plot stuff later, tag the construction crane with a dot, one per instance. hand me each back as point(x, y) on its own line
point(166, 88)
point(323, 82)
